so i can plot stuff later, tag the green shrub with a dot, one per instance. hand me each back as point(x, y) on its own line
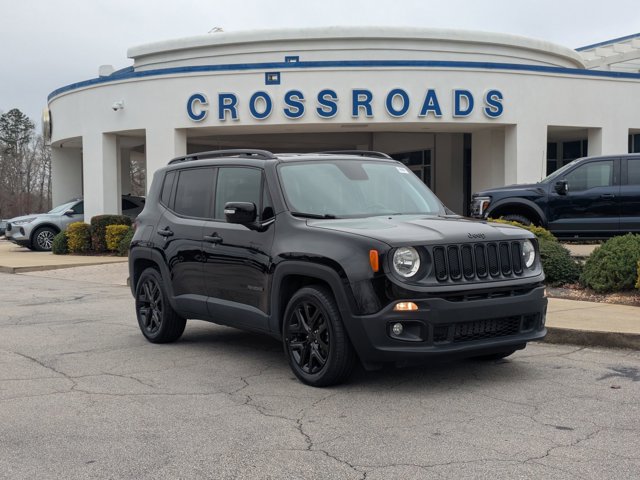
point(123, 248)
point(559, 267)
point(99, 225)
point(541, 233)
point(79, 237)
point(114, 235)
point(614, 265)
point(638, 282)
point(60, 245)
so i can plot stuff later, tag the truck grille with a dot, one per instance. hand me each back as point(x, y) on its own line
point(477, 261)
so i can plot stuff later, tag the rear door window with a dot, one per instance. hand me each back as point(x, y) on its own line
point(193, 192)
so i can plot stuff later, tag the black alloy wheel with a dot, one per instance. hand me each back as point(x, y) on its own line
point(309, 338)
point(158, 321)
point(315, 341)
point(43, 239)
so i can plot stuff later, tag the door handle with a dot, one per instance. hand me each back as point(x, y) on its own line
point(215, 238)
point(167, 232)
point(607, 195)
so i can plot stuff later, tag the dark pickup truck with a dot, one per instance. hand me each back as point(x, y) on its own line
point(592, 197)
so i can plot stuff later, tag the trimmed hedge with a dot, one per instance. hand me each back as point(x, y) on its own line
point(79, 237)
point(559, 267)
point(99, 225)
point(541, 233)
point(123, 248)
point(614, 265)
point(60, 244)
point(115, 233)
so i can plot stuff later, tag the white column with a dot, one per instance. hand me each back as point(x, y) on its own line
point(608, 141)
point(525, 147)
point(487, 159)
point(66, 174)
point(101, 182)
point(447, 167)
point(163, 144)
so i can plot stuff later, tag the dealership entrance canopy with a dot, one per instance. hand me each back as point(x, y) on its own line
point(464, 110)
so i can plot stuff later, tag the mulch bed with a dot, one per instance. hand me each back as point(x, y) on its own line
point(578, 292)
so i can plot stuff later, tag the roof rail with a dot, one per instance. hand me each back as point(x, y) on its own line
point(360, 153)
point(243, 153)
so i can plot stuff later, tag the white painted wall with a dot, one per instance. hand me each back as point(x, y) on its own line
point(66, 174)
point(507, 149)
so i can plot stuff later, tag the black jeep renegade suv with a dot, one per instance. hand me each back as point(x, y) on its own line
point(341, 255)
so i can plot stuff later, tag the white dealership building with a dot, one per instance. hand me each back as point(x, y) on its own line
point(464, 110)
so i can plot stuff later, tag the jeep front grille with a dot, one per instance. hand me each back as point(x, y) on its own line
point(478, 261)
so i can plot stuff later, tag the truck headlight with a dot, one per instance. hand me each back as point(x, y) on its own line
point(406, 261)
point(481, 205)
point(528, 253)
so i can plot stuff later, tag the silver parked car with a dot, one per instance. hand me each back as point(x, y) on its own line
point(36, 231)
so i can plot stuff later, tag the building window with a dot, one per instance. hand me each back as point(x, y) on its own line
point(552, 157)
point(419, 162)
point(634, 143)
point(272, 78)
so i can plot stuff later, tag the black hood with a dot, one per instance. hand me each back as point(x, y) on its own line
point(528, 187)
point(421, 229)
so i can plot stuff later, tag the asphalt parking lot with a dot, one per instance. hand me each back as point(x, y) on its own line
point(83, 395)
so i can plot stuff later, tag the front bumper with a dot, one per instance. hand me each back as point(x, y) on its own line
point(20, 234)
point(446, 328)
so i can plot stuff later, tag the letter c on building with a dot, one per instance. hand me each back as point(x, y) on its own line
point(194, 100)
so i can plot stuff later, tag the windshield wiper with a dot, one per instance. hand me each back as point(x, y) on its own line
point(312, 215)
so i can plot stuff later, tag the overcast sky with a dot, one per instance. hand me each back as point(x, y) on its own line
point(45, 44)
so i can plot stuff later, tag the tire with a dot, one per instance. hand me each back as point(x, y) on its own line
point(495, 356)
point(43, 239)
point(315, 340)
point(158, 321)
point(518, 218)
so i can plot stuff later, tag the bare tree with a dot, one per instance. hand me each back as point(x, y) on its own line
point(25, 166)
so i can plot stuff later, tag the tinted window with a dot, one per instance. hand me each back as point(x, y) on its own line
point(267, 205)
point(166, 188)
point(591, 175)
point(193, 193)
point(633, 172)
point(128, 205)
point(237, 184)
point(78, 208)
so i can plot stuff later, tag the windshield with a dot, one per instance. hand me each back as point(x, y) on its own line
point(559, 173)
point(64, 207)
point(355, 188)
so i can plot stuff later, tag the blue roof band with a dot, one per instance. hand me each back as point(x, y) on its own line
point(130, 73)
point(608, 42)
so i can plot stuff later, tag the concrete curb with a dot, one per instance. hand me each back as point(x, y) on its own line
point(42, 268)
point(591, 338)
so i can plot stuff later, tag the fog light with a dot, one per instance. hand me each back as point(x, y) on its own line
point(397, 329)
point(405, 307)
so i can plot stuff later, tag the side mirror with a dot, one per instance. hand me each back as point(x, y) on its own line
point(562, 187)
point(69, 213)
point(243, 213)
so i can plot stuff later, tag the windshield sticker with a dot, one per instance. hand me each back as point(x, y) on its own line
point(402, 170)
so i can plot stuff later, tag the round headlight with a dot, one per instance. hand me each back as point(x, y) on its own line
point(406, 261)
point(528, 253)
